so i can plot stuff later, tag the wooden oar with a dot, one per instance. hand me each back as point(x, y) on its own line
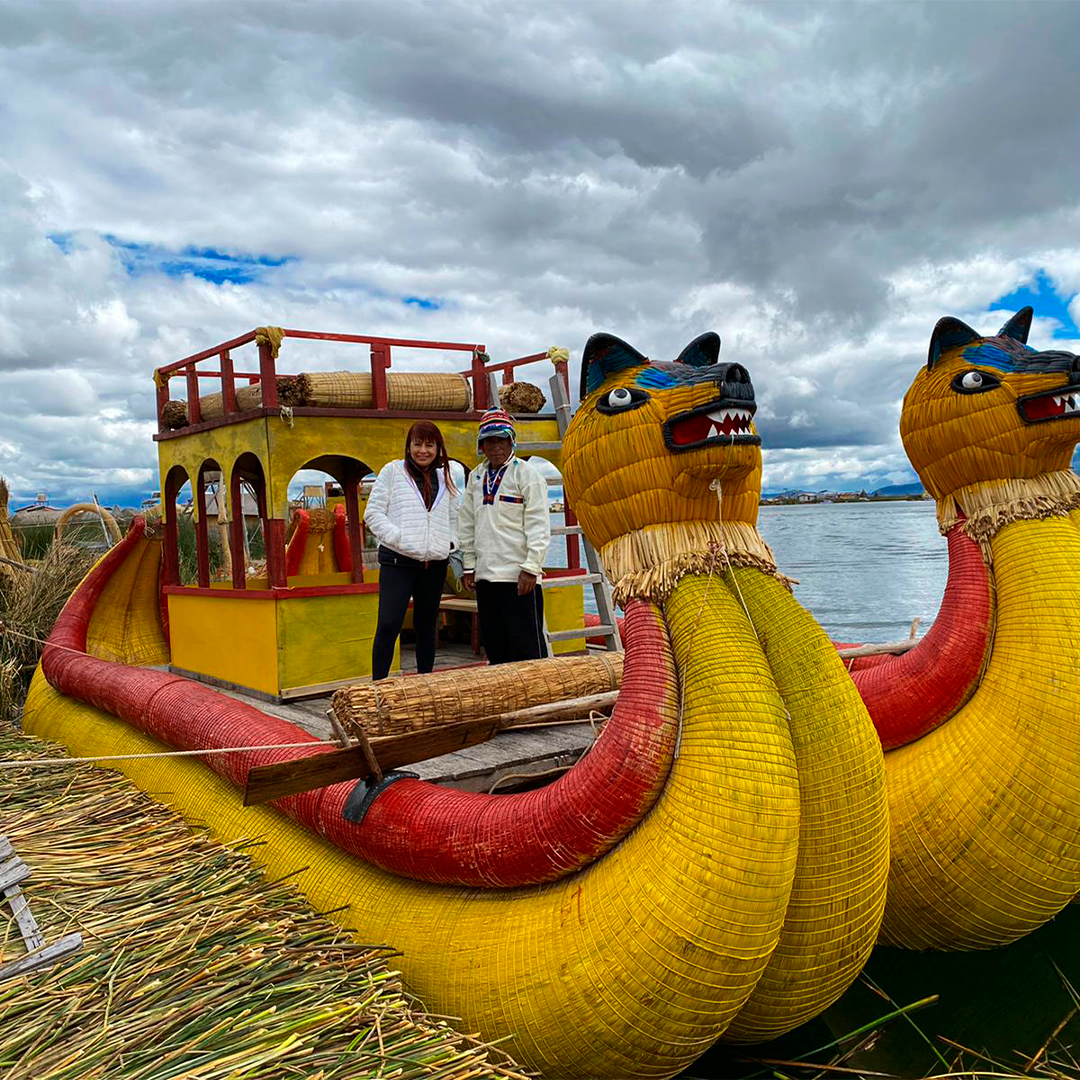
point(268, 782)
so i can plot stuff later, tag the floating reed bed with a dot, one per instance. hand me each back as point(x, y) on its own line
point(192, 965)
point(29, 605)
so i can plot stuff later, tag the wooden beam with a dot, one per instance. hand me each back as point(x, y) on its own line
point(269, 782)
point(894, 647)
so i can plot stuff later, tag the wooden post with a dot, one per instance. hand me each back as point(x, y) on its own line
point(228, 385)
point(352, 518)
point(274, 538)
point(237, 530)
point(202, 535)
point(380, 361)
point(162, 385)
point(172, 543)
point(267, 378)
point(479, 378)
point(194, 411)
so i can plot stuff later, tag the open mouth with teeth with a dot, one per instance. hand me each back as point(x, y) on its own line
point(720, 423)
point(1062, 403)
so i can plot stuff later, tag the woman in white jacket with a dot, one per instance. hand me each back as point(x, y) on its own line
point(412, 510)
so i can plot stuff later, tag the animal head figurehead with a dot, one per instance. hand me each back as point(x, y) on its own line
point(650, 439)
point(990, 409)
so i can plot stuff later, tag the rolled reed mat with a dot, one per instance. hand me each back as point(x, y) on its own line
point(393, 706)
point(440, 391)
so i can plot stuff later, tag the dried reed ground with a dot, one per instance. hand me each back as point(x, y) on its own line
point(193, 965)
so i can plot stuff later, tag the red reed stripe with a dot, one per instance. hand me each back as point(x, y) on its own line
point(911, 694)
point(414, 829)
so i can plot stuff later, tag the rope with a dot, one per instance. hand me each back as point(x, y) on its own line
point(52, 762)
point(5, 629)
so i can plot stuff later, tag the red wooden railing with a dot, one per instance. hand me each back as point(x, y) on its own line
point(380, 358)
point(379, 362)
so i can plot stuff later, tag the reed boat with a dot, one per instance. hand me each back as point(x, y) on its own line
point(714, 867)
point(718, 865)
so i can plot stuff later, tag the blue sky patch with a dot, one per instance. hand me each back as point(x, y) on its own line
point(206, 263)
point(1046, 302)
point(426, 303)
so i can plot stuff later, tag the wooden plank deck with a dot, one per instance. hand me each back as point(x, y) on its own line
point(510, 754)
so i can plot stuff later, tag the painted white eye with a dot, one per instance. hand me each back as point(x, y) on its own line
point(972, 380)
point(619, 398)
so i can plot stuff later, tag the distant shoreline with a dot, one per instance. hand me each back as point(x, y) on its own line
point(858, 499)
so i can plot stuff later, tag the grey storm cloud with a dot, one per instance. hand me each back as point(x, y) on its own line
point(817, 182)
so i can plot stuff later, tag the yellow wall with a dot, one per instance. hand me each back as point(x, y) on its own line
point(564, 609)
point(283, 449)
point(226, 638)
point(326, 638)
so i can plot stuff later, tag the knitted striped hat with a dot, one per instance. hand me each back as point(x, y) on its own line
point(497, 422)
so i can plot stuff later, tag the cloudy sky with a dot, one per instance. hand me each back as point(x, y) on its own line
point(817, 183)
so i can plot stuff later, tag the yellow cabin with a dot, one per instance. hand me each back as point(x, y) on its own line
point(297, 617)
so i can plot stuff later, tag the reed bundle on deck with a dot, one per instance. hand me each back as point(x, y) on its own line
point(438, 391)
point(394, 706)
point(192, 964)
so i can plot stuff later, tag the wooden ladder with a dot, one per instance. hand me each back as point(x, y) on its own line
point(13, 871)
point(605, 603)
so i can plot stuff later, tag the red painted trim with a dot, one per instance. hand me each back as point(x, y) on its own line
point(267, 376)
point(202, 532)
point(290, 592)
point(911, 694)
point(236, 532)
point(274, 539)
point(162, 392)
point(342, 542)
point(363, 339)
point(414, 829)
point(565, 571)
point(380, 362)
point(234, 343)
point(356, 589)
point(236, 594)
point(228, 383)
point(321, 410)
point(194, 406)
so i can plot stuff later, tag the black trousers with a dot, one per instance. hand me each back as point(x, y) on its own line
point(402, 579)
point(511, 626)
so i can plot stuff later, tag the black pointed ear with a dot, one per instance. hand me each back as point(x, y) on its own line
point(949, 334)
point(702, 351)
point(605, 354)
point(1019, 326)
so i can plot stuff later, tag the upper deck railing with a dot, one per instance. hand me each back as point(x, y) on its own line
point(381, 351)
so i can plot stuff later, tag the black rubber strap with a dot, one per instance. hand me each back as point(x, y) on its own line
point(367, 791)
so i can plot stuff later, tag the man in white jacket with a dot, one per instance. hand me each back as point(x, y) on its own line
point(504, 530)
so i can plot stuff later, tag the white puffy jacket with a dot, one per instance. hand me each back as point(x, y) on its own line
point(397, 516)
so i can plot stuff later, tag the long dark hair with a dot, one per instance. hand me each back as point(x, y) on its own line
point(426, 431)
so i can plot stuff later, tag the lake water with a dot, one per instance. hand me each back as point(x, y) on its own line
point(865, 570)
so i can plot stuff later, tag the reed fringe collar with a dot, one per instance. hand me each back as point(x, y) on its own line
point(995, 503)
point(649, 562)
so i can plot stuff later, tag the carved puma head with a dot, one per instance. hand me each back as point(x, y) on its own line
point(990, 408)
point(650, 438)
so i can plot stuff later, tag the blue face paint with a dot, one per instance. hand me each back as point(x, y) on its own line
point(993, 356)
point(653, 378)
